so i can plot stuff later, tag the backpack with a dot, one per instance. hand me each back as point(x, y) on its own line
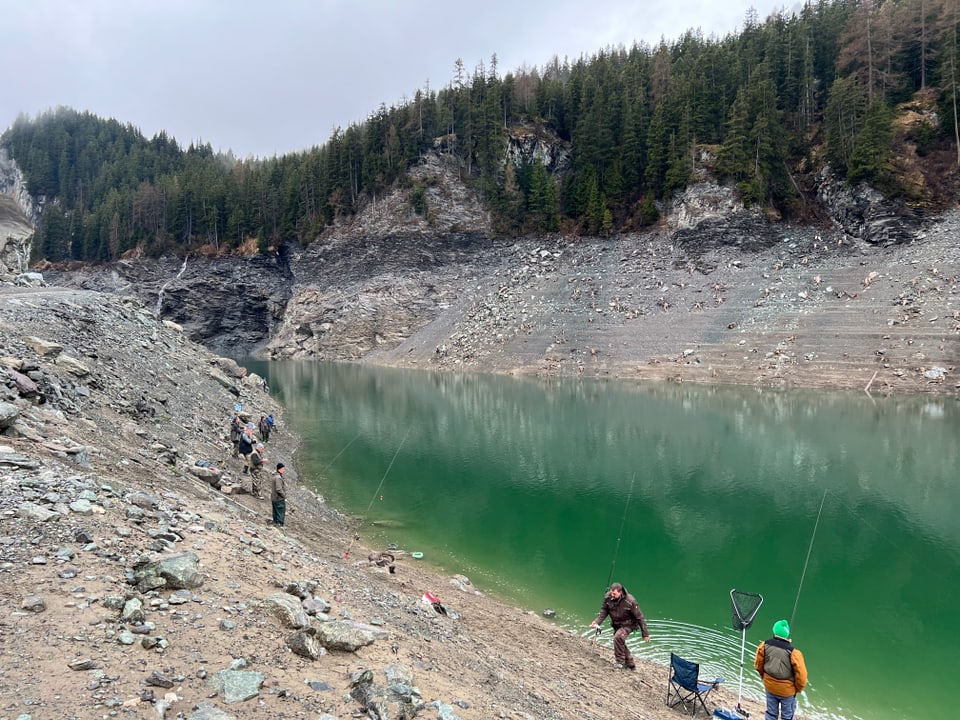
point(246, 444)
point(777, 661)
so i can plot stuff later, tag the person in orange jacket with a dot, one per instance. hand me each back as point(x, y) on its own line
point(783, 671)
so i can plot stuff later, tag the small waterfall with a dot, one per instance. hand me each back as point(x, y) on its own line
point(163, 288)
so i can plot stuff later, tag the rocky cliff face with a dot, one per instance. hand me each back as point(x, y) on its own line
point(535, 144)
point(14, 186)
point(15, 237)
point(862, 212)
point(17, 218)
point(232, 305)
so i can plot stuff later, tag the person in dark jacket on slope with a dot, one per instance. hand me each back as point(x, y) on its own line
point(783, 671)
point(278, 496)
point(625, 617)
point(236, 429)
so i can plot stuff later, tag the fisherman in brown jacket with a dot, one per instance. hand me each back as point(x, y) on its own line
point(625, 617)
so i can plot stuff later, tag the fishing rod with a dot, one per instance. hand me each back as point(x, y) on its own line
point(807, 561)
point(616, 551)
point(376, 492)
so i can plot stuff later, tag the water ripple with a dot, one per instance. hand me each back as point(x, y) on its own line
point(717, 651)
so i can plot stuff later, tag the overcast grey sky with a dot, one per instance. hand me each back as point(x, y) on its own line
point(277, 76)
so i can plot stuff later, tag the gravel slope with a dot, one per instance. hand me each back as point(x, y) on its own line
point(102, 473)
point(812, 310)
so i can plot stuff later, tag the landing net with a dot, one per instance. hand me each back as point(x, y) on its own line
point(745, 606)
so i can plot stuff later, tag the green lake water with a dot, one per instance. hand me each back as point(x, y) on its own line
point(841, 510)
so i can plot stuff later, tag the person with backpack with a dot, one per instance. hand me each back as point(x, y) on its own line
point(625, 617)
point(783, 670)
point(264, 429)
point(246, 445)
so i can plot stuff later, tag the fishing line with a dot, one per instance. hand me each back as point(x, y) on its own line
point(377, 491)
point(616, 551)
point(807, 561)
point(854, 513)
point(622, 523)
point(330, 464)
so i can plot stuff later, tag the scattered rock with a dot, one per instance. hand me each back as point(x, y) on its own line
point(306, 644)
point(33, 603)
point(157, 679)
point(287, 609)
point(237, 685)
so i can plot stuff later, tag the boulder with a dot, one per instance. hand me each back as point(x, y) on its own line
point(287, 609)
point(44, 348)
point(340, 635)
point(305, 643)
point(174, 572)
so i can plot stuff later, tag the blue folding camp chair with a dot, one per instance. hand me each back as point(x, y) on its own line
point(685, 688)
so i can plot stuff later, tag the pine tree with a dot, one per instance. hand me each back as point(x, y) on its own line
point(658, 151)
point(870, 159)
point(542, 202)
point(843, 120)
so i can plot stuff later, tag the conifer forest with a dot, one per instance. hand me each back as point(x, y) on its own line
point(765, 108)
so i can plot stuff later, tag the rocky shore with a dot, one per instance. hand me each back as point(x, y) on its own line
point(138, 579)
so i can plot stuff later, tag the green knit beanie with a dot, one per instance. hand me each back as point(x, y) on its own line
point(781, 629)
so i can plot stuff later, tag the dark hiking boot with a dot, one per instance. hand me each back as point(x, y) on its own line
point(630, 665)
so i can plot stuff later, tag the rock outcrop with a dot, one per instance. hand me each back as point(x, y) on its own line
point(864, 213)
point(14, 186)
point(18, 217)
point(529, 143)
point(232, 305)
point(16, 234)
